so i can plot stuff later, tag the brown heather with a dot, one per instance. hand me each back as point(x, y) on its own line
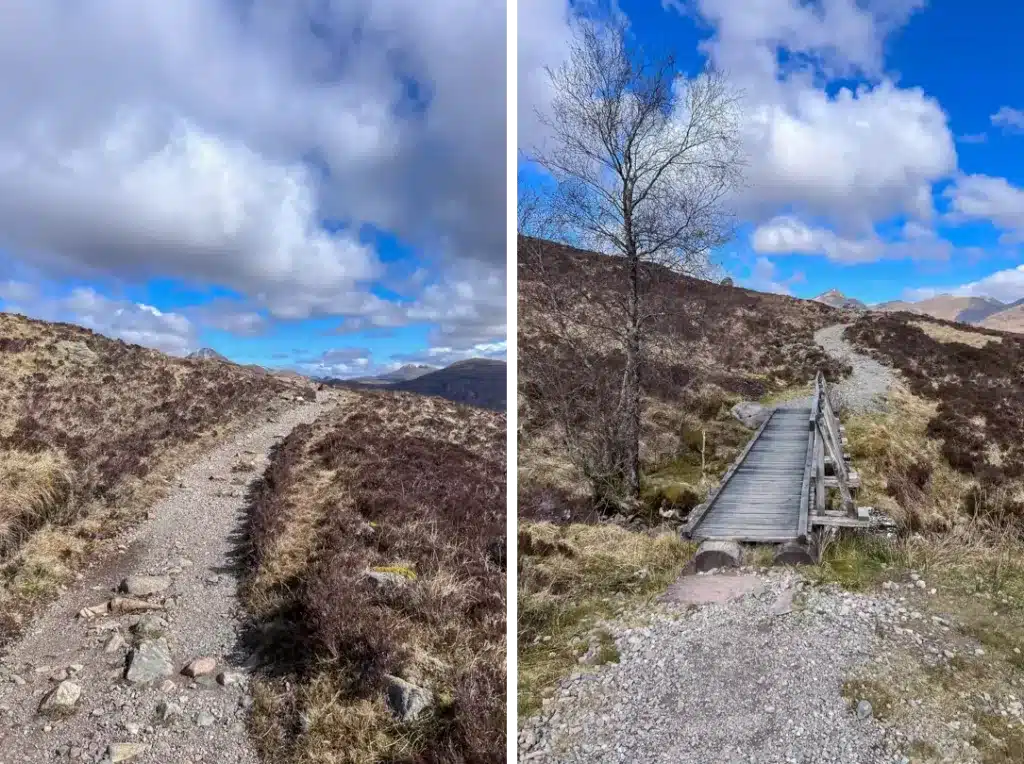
point(90, 431)
point(391, 482)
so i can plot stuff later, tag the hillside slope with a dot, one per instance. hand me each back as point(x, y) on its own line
point(1010, 319)
point(377, 568)
point(476, 381)
point(90, 430)
point(711, 347)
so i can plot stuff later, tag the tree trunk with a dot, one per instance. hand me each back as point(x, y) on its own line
point(631, 386)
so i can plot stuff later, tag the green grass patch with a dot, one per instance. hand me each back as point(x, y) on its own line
point(997, 741)
point(572, 577)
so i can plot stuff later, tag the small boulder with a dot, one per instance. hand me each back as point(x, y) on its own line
point(229, 678)
point(864, 710)
point(148, 662)
point(115, 643)
point(61, 700)
point(167, 711)
point(407, 701)
point(150, 626)
point(199, 667)
point(750, 414)
point(144, 586)
point(205, 719)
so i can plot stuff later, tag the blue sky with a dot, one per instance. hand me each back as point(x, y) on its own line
point(885, 138)
point(322, 185)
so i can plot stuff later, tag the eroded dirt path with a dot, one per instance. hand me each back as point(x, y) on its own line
point(187, 545)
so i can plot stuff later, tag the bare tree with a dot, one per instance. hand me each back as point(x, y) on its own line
point(643, 161)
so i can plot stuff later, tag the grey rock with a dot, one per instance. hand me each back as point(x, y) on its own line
point(144, 586)
point(864, 710)
point(750, 414)
point(150, 626)
point(205, 719)
point(385, 579)
point(148, 662)
point(406, 700)
point(61, 701)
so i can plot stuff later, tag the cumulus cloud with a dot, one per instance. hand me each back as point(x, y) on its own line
point(1009, 119)
point(985, 198)
point(446, 355)
point(853, 158)
point(786, 234)
point(132, 322)
point(1005, 285)
point(764, 277)
point(208, 140)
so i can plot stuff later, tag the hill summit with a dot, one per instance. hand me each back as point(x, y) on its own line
point(206, 354)
point(836, 299)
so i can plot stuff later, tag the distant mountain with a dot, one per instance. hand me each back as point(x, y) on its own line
point(477, 381)
point(207, 354)
point(401, 374)
point(966, 310)
point(1009, 319)
point(836, 299)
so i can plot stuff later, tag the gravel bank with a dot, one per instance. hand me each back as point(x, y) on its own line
point(865, 390)
point(757, 679)
point(187, 544)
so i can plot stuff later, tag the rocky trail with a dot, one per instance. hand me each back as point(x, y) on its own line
point(140, 660)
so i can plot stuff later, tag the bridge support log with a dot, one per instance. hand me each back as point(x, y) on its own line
point(793, 553)
point(717, 554)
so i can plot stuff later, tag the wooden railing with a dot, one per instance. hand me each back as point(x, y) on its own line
point(827, 454)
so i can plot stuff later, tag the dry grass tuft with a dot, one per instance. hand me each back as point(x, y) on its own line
point(950, 334)
point(90, 430)
point(411, 488)
point(570, 578)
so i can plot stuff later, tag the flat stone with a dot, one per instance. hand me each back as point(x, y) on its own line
point(784, 604)
point(148, 662)
point(115, 643)
point(124, 751)
point(205, 719)
point(705, 590)
point(717, 554)
point(384, 578)
point(199, 667)
point(144, 586)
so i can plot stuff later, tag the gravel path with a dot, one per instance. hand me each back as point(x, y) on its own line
point(865, 390)
point(172, 719)
point(756, 679)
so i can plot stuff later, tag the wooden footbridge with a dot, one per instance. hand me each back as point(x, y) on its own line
point(793, 477)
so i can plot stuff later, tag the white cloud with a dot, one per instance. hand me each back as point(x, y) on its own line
point(983, 197)
point(133, 322)
point(207, 139)
point(852, 159)
point(973, 138)
point(1008, 118)
point(1005, 285)
point(445, 355)
point(764, 278)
